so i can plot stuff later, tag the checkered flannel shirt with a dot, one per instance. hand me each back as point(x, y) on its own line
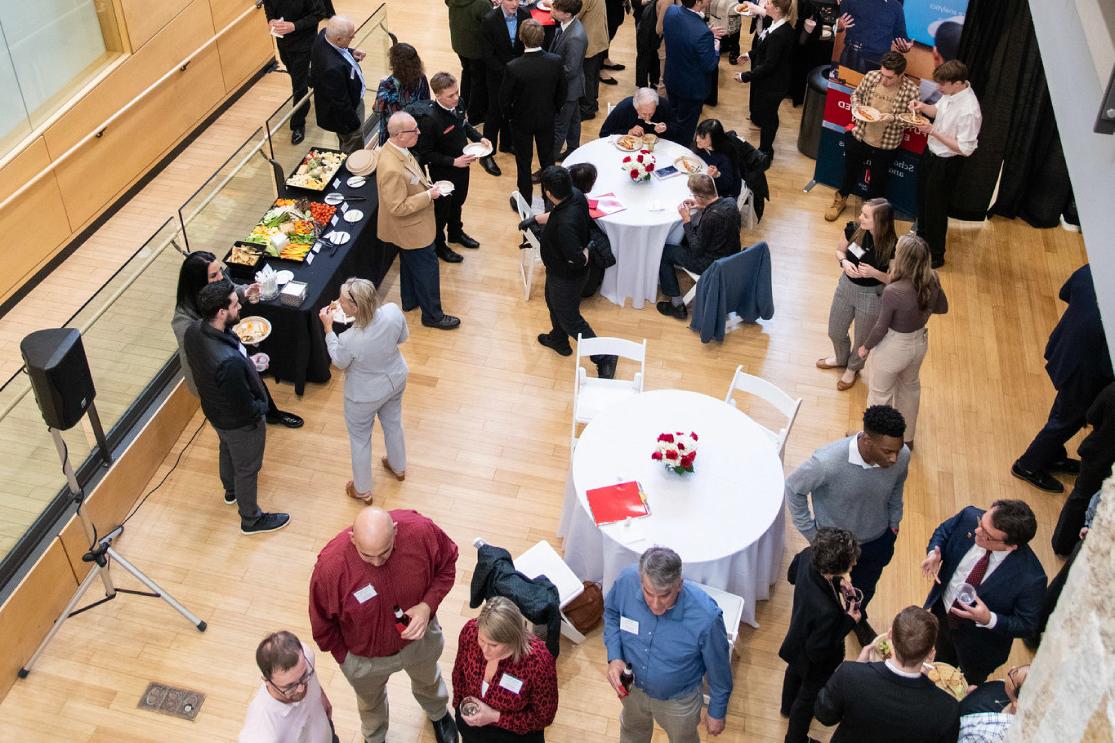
point(907, 91)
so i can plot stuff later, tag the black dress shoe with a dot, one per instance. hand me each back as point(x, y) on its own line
point(562, 156)
point(670, 309)
point(614, 66)
point(588, 115)
point(1065, 466)
point(447, 253)
point(489, 165)
point(733, 58)
point(290, 420)
point(606, 369)
point(609, 81)
point(514, 206)
point(464, 241)
point(560, 349)
point(445, 730)
point(536, 176)
point(447, 322)
point(297, 135)
point(865, 633)
point(1040, 479)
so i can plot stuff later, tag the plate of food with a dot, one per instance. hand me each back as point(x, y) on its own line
point(252, 330)
point(689, 164)
point(742, 9)
point(444, 187)
point(244, 255)
point(354, 215)
point(316, 169)
point(477, 149)
point(909, 118)
point(296, 252)
point(629, 142)
point(867, 114)
point(339, 314)
point(543, 5)
point(947, 677)
point(881, 648)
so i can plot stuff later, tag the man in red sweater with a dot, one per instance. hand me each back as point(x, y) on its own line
point(388, 561)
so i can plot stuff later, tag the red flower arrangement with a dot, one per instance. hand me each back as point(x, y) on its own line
point(638, 165)
point(676, 451)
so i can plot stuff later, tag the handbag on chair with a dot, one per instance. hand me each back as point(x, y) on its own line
point(586, 611)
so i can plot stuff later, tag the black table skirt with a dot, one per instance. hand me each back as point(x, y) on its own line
point(297, 341)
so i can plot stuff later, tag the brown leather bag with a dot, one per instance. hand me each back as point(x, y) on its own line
point(586, 611)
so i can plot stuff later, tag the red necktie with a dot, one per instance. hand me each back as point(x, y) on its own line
point(975, 578)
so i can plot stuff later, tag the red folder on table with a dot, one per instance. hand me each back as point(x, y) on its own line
point(604, 204)
point(613, 503)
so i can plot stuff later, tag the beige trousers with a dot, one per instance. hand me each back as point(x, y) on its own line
point(678, 717)
point(368, 677)
point(893, 374)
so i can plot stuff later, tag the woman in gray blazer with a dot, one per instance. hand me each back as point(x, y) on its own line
point(375, 377)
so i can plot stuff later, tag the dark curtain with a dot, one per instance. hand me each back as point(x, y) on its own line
point(1019, 133)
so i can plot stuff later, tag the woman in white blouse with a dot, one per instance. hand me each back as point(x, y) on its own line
point(375, 377)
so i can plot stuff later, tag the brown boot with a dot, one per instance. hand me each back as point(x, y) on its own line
point(400, 476)
point(836, 208)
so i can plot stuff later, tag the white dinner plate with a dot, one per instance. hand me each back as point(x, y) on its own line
point(477, 149)
point(337, 238)
point(354, 215)
point(284, 277)
point(334, 198)
point(355, 181)
point(445, 187)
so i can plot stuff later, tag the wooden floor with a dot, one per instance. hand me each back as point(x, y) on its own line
point(486, 417)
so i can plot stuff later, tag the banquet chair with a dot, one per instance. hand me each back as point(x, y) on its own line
point(772, 395)
point(731, 606)
point(543, 559)
point(733, 320)
point(530, 250)
point(592, 394)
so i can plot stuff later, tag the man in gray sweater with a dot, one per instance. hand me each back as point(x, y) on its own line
point(856, 484)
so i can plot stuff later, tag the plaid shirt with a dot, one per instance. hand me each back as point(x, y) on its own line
point(907, 91)
point(985, 727)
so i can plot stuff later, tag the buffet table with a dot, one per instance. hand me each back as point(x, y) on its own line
point(297, 342)
point(650, 220)
point(725, 519)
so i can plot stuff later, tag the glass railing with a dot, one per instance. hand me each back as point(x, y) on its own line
point(125, 325)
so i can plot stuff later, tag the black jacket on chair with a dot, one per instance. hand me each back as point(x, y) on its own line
point(336, 88)
point(537, 599)
point(232, 394)
point(771, 66)
point(533, 90)
point(818, 622)
point(873, 704)
point(752, 164)
point(500, 49)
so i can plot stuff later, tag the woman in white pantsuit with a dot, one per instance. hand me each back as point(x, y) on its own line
point(375, 377)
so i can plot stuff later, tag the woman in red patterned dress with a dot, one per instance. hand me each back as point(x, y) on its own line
point(504, 678)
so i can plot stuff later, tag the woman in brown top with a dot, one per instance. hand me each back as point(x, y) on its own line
point(899, 340)
point(864, 257)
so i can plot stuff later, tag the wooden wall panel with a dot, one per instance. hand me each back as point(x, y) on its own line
point(93, 178)
point(29, 612)
point(20, 257)
point(244, 49)
point(225, 10)
point(144, 18)
point(185, 33)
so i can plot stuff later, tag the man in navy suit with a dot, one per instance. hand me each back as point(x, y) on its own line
point(988, 551)
point(338, 83)
point(692, 53)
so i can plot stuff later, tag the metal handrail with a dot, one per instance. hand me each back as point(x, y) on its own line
point(100, 130)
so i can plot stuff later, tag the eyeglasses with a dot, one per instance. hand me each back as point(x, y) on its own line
point(408, 131)
point(292, 689)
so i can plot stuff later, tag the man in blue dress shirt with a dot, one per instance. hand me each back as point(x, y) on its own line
point(672, 634)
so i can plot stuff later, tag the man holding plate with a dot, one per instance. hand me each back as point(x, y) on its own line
point(443, 137)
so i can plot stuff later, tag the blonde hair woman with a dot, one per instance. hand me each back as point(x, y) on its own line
point(899, 338)
point(504, 678)
point(375, 377)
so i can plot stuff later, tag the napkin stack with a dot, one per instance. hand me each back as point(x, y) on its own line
point(268, 280)
point(293, 294)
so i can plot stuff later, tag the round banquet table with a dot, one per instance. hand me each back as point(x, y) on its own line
point(725, 519)
point(650, 220)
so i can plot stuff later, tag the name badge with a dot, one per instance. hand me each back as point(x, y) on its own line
point(628, 625)
point(855, 250)
point(510, 683)
point(413, 180)
point(364, 594)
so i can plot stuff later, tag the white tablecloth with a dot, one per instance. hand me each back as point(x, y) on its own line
point(725, 519)
point(639, 232)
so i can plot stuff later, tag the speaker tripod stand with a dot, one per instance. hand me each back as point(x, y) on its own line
point(99, 554)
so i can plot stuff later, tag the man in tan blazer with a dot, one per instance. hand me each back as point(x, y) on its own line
point(594, 18)
point(406, 220)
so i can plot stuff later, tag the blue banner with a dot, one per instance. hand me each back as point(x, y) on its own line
point(923, 16)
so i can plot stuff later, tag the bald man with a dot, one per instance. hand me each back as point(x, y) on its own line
point(388, 561)
point(406, 220)
point(338, 83)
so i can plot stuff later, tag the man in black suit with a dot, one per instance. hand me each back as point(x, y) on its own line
point(294, 22)
point(501, 37)
point(443, 132)
point(987, 550)
point(891, 700)
point(1079, 365)
point(532, 93)
point(339, 83)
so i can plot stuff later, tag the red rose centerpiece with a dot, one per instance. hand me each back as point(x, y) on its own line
point(676, 451)
point(638, 166)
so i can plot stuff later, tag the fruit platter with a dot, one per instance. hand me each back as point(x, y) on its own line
point(294, 221)
point(316, 169)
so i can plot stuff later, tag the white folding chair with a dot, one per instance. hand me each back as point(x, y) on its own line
point(592, 394)
point(543, 559)
point(732, 607)
point(611, 107)
point(529, 257)
point(772, 395)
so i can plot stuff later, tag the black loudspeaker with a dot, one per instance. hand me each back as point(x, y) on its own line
point(59, 373)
